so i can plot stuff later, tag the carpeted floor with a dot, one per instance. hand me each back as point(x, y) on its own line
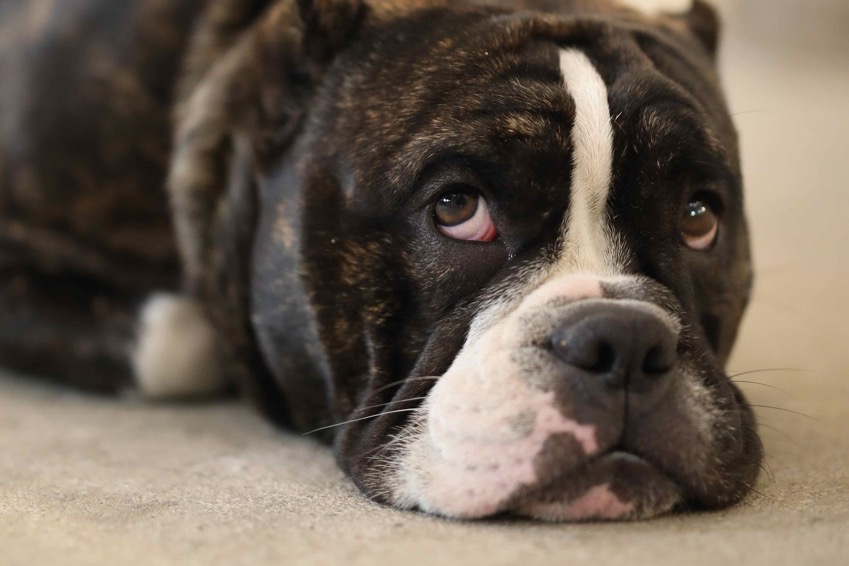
point(85, 480)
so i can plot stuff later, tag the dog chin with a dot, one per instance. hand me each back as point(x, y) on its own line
point(510, 449)
point(614, 486)
point(608, 486)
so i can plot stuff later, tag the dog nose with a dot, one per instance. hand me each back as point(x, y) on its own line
point(617, 346)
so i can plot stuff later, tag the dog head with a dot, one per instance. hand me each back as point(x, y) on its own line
point(504, 242)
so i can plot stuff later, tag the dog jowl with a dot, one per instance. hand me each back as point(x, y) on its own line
point(495, 250)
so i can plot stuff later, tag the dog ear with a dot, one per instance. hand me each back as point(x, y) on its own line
point(251, 69)
point(703, 22)
point(329, 24)
point(293, 47)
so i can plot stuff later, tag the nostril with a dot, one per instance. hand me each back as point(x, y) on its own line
point(658, 361)
point(605, 358)
point(611, 346)
point(585, 351)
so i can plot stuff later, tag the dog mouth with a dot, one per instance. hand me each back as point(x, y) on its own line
point(615, 485)
point(551, 433)
point(547, 467)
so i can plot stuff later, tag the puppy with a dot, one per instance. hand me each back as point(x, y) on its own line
point(495, 252)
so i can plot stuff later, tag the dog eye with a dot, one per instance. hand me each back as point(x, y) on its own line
point(462, 214)
point(699, 225)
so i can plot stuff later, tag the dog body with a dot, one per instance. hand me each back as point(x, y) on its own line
point(502, 242)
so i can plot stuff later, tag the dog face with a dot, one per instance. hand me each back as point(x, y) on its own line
point(507, 248)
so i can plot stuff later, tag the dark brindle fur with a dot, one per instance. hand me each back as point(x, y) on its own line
point(301, 132)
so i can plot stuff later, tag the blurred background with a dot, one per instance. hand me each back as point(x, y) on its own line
point(786, 69)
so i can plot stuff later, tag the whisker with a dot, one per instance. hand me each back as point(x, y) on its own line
point(764, 385)
point(764, 462)
point(405, 380)
point(770, 476)
point(744, 112)
point(360, 419)
point(765, 465)
point(381, 449)
point(762, 494)
point(778, 430)
point(390, 402)
point(786, 411)
point(340, 481)
point(765, 370)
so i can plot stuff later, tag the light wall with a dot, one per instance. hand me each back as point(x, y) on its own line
point(818, 24)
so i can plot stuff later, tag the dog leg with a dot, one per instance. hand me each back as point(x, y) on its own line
point(67, 328)
point(95, 337)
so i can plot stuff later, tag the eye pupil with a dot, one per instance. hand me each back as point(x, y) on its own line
point(455, 208)
point(698, 219)
point(699, 225)
point(461, 213)
point(696, 208)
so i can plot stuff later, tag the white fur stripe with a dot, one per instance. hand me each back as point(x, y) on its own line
point(589, 246)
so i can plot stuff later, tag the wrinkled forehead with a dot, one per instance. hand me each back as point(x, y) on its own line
point(449, 82)
point(436, 79)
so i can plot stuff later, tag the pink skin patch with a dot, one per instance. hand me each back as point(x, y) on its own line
point(572, 287)
point(485, 424)
point(597, 503)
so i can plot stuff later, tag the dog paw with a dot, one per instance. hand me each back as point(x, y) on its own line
point(176, 353)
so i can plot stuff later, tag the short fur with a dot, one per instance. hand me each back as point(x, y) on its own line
point(273, 161)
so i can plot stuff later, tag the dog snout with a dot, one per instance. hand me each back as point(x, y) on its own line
point(614, 347)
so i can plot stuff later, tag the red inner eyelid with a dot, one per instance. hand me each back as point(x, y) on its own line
point(702, 243)
point(479, 228)
point(708, 239)
point(487, 232)
point(490, 234)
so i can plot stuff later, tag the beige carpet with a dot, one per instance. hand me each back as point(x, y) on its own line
point(91, 481)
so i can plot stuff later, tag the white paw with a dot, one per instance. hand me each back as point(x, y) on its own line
point(654, 7)
point(176, 354)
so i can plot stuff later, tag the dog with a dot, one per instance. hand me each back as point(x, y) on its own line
point(494, 252)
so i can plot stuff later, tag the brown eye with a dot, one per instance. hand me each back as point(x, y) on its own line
point(456, 207)
point(699, 225)
point(463, 215)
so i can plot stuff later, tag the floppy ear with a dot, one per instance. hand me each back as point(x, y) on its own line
point(703, 22)
point(251, 70)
